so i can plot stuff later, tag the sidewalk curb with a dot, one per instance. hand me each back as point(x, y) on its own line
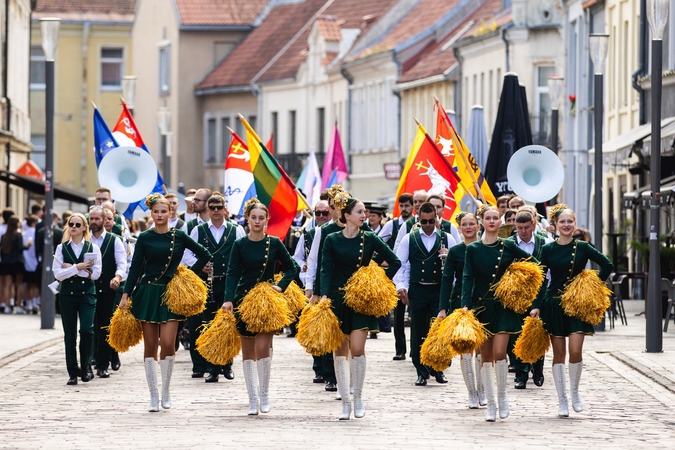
point(644, 370)
point(28, 351)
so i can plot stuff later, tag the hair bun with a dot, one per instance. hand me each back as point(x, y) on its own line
point(555, 211)
point(150, 200)
point(249, 205)
point(460, 216)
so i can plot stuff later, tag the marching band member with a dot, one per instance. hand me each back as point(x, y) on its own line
point(450, 299)
point(343, 254)
point(77, 292)
point(418, 282)
point(484, 264)
point(188, 214)
point(447, 226)
point(419, 197)
point(566, 258)
point(174, 220)
point(199, 207)
point(252, 261)
point(157, 255)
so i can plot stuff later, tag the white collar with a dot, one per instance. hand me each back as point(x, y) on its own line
point(519, 240)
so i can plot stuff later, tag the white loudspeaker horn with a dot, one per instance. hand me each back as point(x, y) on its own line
point(129, 172)
point(535, 173)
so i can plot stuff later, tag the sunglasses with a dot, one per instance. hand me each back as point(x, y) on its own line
point(427, 221)
point(74, 225)
point(322, 213)
point(216, 207)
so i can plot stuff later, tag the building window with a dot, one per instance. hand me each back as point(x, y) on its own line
point(542, 105)
point(211, 142)
point(320, 129)
point(225, 138)
point(291, 131)
point(275, 131)
point(164, 69)
point(37, 68)
point(38, 154)
point(253, 121)
point(112, 68)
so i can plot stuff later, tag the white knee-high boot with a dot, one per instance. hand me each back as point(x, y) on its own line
point(482, 401)
point(151, 376)
point(487, 372)
point(359, 364)
point(166, 365)
point(251, 379)
point(502, 371)
point(467, 372)
point(341, 364)
point(575, 376)
point(264, 371)
point(559, 378)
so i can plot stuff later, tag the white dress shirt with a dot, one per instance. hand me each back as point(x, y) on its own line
point(388, 228)
point(313, 259)
point(120, 253)
point(189, 257)
point(61, 273)
point(402, 277)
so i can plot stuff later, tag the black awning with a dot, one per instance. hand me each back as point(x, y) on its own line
point(38, 187)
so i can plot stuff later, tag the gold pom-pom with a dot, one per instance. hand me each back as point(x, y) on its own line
point(186, 293)
point(463, 332)
point(219, 342)
point(435, 352)
point(295, 297)
point(519, 285)
point(586, 297)
point(533, 342)
point(264, 310)
point(555, 211)
point(318, 329)
point(368, 291)
point(125, 330)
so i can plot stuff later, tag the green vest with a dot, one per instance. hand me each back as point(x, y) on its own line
point(409, 223)
point(191, 225)
point(220, 251)
point(425, 266)
point(539, 242)
point(108, 264)
point(394, 233)
point(309, 238)
point(76, 285)
point(446, 225)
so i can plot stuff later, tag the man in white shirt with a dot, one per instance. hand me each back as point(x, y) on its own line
point(419, 197)
point(174, 220)
point(322, 215)
point(418, 281)
point(113, 273)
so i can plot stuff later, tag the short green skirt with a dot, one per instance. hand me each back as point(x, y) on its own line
point(496, 318)
point(559, 324)
point(349, 319)
point(147, 306)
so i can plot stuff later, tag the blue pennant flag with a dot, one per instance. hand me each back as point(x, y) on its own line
point(103, 138)
point(333, 178)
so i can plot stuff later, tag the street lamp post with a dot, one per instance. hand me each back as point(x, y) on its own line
point(129, 91)
point(657, 15)
point(598, 49)
point(50, 40)
point(555, 90)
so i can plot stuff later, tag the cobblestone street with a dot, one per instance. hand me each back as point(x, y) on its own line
point(628, 395)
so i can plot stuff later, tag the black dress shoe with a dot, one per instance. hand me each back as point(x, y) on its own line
point(511, 369)
point(520, 385)
point(318, 379)
point(330, 386)
point(373, 335)
point(212, 378)
point(86, 376)
point(228, 372)
point(421, 381)
point(197, 374)
point(440, 378)
point(399, 357)
point(72, 381)
point(538, 378)
point(115, 363)
point(102, 373)
point(290, 335)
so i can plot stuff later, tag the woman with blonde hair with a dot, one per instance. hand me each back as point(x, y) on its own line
point(253, 260)
point(77, 263)
point(157, 254)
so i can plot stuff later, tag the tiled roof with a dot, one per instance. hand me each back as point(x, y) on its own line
point(490, 20)
point(438, 57)
point(89, 6)
point(329, 29)
point(219, 12)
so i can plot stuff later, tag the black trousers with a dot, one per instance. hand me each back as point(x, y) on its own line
point(522, 369)
point(399, 328)
point(325, 366)
point(194, 323)
point(72, 307)
point(423, 301)
point(105, 307)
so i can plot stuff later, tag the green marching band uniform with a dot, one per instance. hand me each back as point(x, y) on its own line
point(220, 253)
point(565, 262)
point(253, 262)
point(340, 258)
point(161, 254)
point(77, 297)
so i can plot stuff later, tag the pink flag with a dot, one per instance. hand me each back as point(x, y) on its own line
point(335, 160)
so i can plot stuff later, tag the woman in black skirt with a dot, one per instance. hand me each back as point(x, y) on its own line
point(12, 264)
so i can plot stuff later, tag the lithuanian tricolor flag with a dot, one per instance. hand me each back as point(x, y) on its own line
point(273, 186)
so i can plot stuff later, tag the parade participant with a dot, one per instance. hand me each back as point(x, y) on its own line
point(157, 255)
point(77, 265)
point(450, 299)
point(388, 234)
point(324, 370)
point(375, 215)
point(343, 254)
point(174, 220)
point(447, 226)
point(419, 197)
point(565, 258)
point(418, 282)
point(199, 207)
point(217, 236)
point(516, 202)
point(113, 273)
point(111, 217)
point(484, 265)
point(510, 217)
point(103, 197)
point(253, 260)
point(12, 264)
point(503, 205)
point(188, 214)
point(532, 243)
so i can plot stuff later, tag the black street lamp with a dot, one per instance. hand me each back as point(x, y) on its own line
point(555, 91)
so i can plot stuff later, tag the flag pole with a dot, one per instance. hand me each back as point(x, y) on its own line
point(446, 119)
point(452, 171)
